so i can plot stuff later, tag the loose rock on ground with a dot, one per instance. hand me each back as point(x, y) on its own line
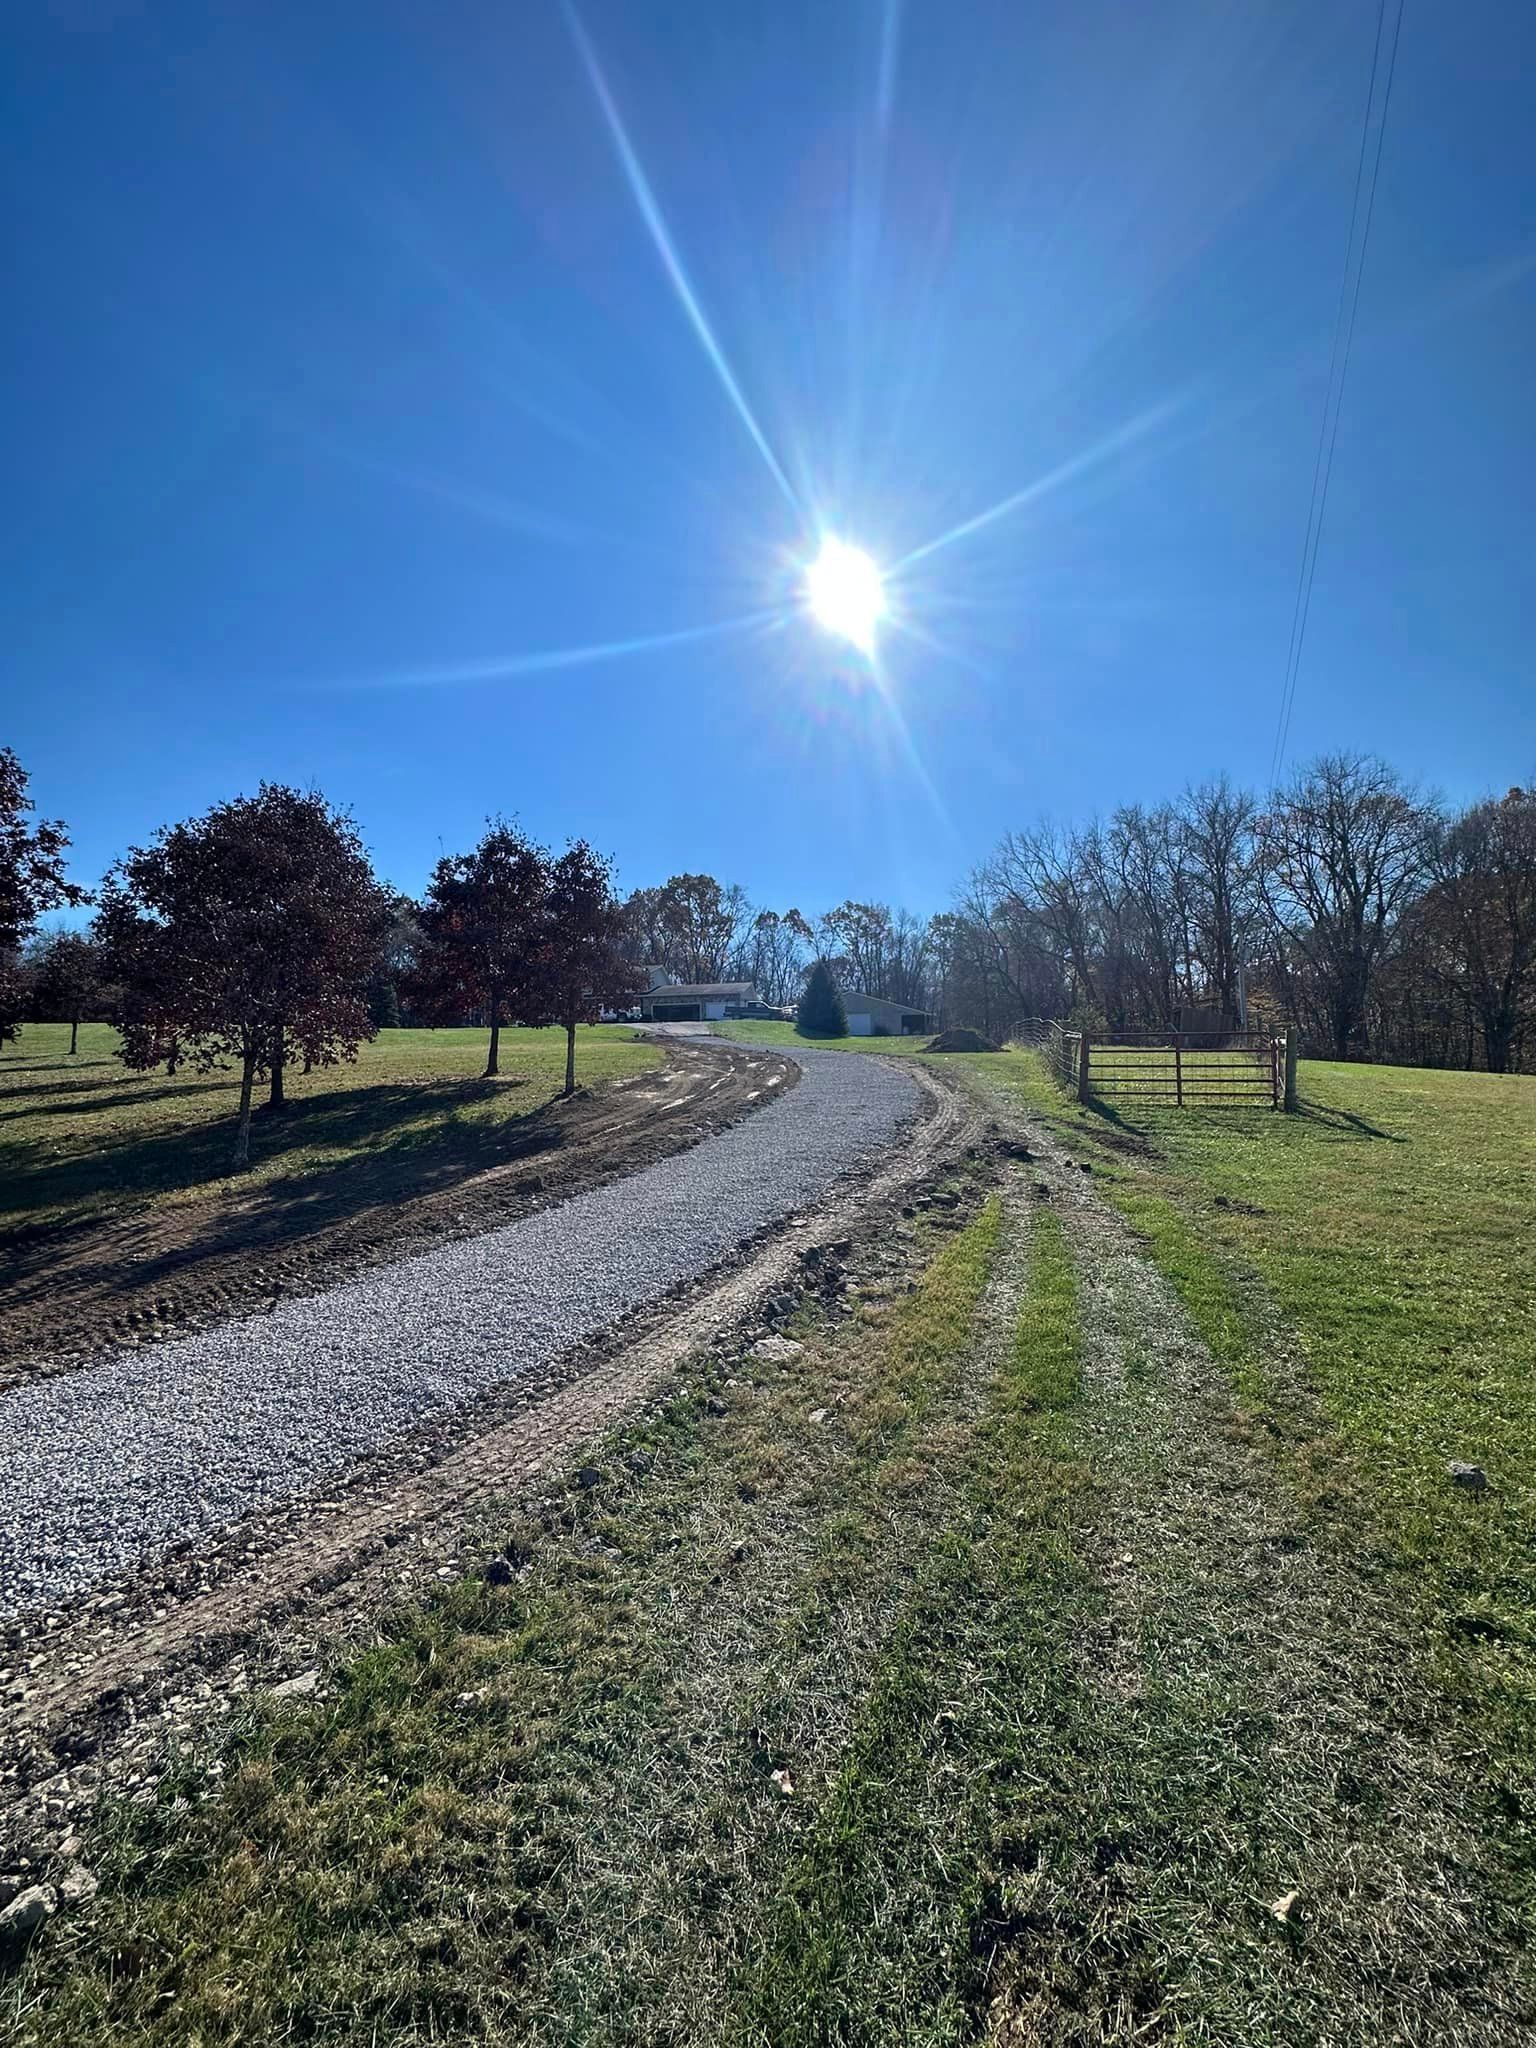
point(108, 1467)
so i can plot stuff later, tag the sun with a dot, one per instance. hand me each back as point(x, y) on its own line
point(846, 593)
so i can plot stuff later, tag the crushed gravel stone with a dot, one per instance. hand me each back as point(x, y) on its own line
point(111, 1465)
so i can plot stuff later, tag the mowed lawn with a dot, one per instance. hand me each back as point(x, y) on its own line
point(1387, 1236)
point(773, 1031)
point(1383, 1241)
point(939, 1683)
point(83, 1137)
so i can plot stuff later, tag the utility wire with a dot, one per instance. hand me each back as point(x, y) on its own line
point(1338, 370)
point(1307, 553)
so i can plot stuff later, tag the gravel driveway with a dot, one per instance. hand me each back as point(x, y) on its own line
point(110, 1465)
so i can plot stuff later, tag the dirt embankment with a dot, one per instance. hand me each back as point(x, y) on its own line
point(70, 1294)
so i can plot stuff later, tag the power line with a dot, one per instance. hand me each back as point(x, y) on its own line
point(1338, 371)
point(1307, 552)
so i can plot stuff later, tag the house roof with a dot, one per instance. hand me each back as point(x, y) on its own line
point(671, 989)
point(857, 1001)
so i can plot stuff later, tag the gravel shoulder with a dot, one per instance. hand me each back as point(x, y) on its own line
point(113, 1464)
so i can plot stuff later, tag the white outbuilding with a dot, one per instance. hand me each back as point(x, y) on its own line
point(876, 1017)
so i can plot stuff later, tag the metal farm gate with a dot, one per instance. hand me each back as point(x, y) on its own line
point(1175, 1069)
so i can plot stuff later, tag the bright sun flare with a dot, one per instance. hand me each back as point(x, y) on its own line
point(846, 593)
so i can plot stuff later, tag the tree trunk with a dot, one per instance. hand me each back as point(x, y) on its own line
point(276, 1098)
point(74, 1035)
point(1342, 1023)
point(492, 1069)
point(570, 1058)
point(247, 1083)
point(1498, 1039)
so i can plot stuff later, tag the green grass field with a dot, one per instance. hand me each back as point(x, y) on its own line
point(1386, 1238)
point(1387, 1234)
point(1008, 1666)
point(83, 1137)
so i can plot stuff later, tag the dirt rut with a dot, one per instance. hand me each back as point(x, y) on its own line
point(142, 1657)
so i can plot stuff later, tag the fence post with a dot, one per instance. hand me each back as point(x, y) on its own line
point(1178, 1070)
point(1082, 1066)
point(1290, 1068)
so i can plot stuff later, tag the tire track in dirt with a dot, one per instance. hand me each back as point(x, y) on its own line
point(1228, 1605)
point(143, 1656)
point(70, 1296)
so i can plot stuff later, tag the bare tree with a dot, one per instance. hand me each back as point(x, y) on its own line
point(692, 926)
point(1042, 873)
point(857, 936)
point(1371, 920)
point(1476, 925)
point(778, 950)
point(1138, 872)
point(1217, 828)
point(1342, 852)
point(994, 962)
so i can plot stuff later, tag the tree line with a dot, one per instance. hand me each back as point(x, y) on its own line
point(695, 929)
point(1378, 921)
point(1346, 904)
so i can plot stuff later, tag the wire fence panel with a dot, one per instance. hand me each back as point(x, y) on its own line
point(1174, 1070)
point(1167, 1069)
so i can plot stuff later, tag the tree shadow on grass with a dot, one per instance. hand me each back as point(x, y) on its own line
point(300, 1204)
point(1101, 1106)
point(1136, 1137)
point(1345, 1124)
point(15, 1074)
point(90, 1100)
point(144, 1248)
point(17, 1084)
point(1123, 1136)
point(394, 1138)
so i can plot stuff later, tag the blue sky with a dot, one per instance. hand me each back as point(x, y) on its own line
point(343, 373)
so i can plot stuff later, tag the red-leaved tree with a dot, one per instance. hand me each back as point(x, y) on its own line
point(481, 926)
point(32, 880)
point(582, 967)
point(244, 934)
point(68, 981)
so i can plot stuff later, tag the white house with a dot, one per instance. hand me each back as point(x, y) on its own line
point(698, 1002)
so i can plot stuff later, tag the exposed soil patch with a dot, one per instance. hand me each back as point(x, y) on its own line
point(86, 1697)
point(71, 1293)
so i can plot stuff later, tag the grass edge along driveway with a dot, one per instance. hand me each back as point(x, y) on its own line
point(977, 1673)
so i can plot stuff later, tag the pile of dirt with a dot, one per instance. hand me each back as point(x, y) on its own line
point(962, 1040)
